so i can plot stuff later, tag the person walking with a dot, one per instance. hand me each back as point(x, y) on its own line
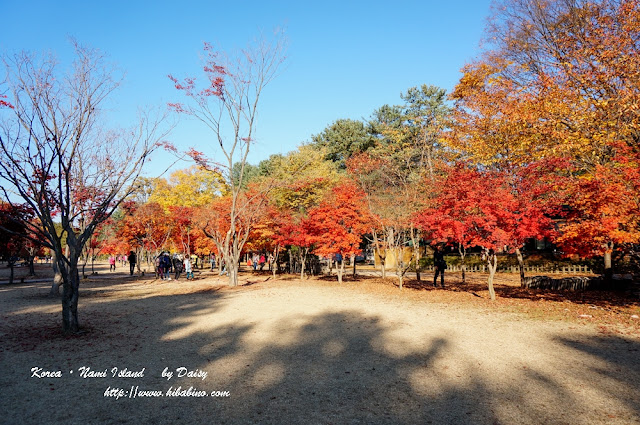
point(255, 260)
point(223, 268)
point(440, 266)
point(166, 265)
point(188, 269)
point(194, 261)
point(177, 266)
point(270, 261)
point(112, 263)
point(158, 264)
point(132, 262)
point(263, 260)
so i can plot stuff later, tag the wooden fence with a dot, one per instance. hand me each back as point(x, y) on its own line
point(573, 269)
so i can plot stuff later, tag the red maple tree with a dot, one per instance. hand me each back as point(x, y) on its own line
point(337, 225)
point(486, 209)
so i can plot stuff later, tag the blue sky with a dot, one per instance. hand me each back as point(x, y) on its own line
point(345, 58)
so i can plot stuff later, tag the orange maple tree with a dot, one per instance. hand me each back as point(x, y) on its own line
point(603, 212)
point(560, 82)
point(146, 227)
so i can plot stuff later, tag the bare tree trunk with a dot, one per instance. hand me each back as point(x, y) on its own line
point(400, 267)
point(232, 270)
point(608, 266)
point(383, 263)
point(416, 252)
point(138, 259)
point(274, 265)
point(377, 252)
point(463, 265)
point(340, 270)
point(430, 162)
point(303, 258)
point(492, 262)
point(233, 275)
point(520, 265)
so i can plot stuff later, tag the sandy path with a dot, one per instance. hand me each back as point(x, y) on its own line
point(291, 352)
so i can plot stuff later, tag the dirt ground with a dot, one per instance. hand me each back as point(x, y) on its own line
point(290, 351)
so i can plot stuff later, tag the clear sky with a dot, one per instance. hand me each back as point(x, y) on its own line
point(345, 58)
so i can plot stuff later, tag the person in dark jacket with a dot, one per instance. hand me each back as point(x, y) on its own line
point(440, 266)
point(177, 266)
point(132, 261)
point(166, 265)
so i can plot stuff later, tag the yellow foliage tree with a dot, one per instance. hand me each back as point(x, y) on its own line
point(191, 187)
point(301, 178)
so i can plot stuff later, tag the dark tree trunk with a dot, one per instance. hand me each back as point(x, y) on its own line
point(275, 267)
point(353, 261)
point(303, 258)
point(290, 262)
point(608, 264)
point(11, 266)
point(57, 276)
point(70, 295)
point(32, 271)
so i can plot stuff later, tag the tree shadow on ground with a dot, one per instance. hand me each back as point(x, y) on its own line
point(327, 367)
point(599, 298)
point(617, 366)
point(347, 277)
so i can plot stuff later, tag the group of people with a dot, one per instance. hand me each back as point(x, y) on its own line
point(165, 265)
point(131, 259)
point(258, 261)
